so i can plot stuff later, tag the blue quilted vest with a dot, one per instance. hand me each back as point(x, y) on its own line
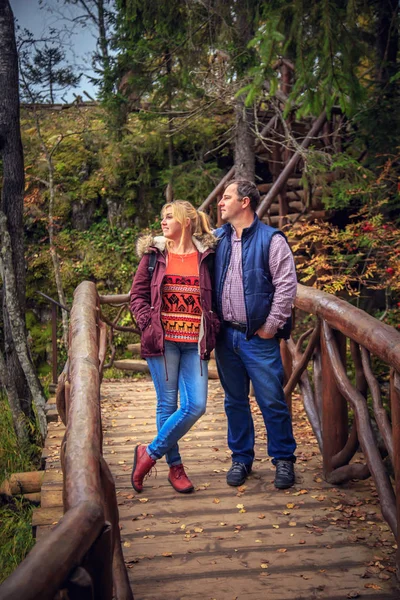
point(257, 279)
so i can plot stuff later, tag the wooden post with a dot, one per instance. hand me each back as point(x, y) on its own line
point(283, 208)
point(98, 564)
point(334, 406)
point(80, 585)
point(395, 410)
point(287, 362)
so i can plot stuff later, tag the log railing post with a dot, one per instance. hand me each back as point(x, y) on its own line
point(287, 362)
point(395, 411)
point(334, 406)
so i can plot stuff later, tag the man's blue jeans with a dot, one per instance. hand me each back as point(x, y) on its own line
point(179, 369)
point(238, 361)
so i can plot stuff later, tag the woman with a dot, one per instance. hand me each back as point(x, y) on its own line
point(173, 309)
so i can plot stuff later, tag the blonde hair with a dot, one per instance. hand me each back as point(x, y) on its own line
point(182, 210)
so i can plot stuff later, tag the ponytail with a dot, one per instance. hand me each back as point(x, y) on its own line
point(202, 224)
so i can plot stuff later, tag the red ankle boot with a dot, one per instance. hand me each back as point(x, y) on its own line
point(142, 464)
point(179, 480)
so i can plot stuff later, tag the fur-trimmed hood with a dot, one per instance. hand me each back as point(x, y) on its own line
point(147, 242)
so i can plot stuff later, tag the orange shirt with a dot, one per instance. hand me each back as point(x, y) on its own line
point(181, 308)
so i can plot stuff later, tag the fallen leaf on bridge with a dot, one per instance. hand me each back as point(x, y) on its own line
point(372, 586)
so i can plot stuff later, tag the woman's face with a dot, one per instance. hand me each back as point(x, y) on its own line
point(171, 228)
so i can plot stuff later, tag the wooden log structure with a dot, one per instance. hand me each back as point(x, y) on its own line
point(22, 483)
point(327, 400)
point(83, 552)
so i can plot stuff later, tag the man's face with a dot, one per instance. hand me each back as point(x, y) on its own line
point(230, 205)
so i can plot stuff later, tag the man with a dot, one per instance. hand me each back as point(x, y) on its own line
point(255, 285)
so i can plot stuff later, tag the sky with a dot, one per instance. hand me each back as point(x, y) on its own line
point(79, 42)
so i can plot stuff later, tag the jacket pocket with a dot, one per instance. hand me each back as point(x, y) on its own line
point(213, 325)
point(144, 320)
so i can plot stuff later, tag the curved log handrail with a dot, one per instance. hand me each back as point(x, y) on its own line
point(115, 300)
point(82, 475)
point(380, 339)
point(44, 571)
point(88, 532)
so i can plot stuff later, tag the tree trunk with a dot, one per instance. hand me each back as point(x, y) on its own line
point(168, 62)
point(18, 416)
point(387, 40)
point(103, 41)
point(17, 323)
point(53, 252)
point(12, 196)
point(245, 159)
point(244, 153)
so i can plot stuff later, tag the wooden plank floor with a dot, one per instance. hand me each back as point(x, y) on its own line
point(312, 541)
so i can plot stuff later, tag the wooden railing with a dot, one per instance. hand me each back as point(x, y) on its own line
point(82, 557)
point(343, 332)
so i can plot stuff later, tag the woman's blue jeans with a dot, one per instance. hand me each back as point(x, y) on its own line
point(259, 360)
point(180, 369)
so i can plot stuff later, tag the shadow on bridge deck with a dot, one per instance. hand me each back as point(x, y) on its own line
point(312, 541)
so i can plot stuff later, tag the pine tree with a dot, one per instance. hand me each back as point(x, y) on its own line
point(46, 74)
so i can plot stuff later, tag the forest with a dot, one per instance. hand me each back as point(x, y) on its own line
point(186, 92)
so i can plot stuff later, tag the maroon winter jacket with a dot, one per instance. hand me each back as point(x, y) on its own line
point(146, 295)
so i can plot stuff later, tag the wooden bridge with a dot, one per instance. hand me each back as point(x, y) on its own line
point(332, 536)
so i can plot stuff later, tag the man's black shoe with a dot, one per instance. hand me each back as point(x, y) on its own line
point(284, 477)
point(238, 474)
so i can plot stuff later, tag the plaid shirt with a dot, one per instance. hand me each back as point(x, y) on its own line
point(282, 268)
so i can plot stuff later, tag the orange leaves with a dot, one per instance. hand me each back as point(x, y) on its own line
point(372, 586)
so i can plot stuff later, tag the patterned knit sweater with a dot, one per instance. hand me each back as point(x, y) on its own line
point(181, 308)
